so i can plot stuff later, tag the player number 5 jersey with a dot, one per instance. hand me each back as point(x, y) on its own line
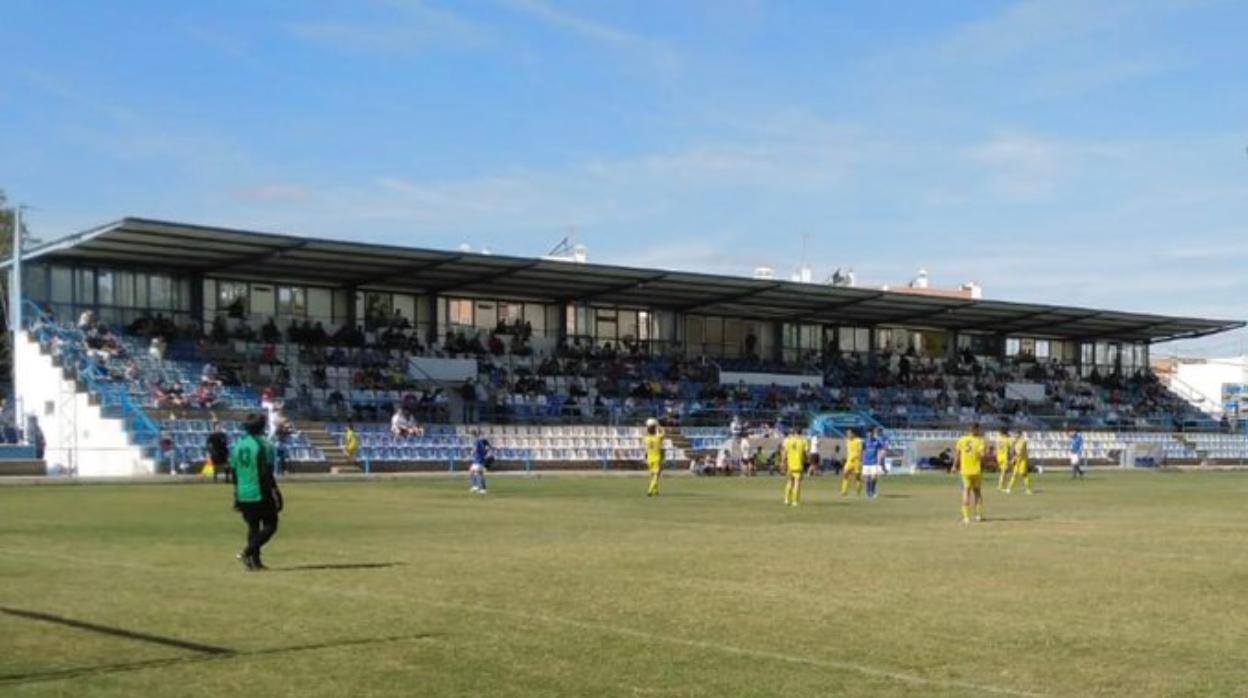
point(971, 450)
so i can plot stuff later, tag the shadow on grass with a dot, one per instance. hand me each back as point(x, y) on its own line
point(337, 566)
point(1010, 519)
point(122, 667)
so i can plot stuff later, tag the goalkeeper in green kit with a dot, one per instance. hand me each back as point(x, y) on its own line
point(256, 495)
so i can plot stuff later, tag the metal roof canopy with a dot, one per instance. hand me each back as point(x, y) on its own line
point(229, 253)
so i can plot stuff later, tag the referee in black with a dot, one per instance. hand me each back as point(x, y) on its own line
point(256, 495)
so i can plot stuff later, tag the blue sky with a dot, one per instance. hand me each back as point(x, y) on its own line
point(1085, 152)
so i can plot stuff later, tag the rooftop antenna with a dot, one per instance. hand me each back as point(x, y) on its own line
point(567, 246)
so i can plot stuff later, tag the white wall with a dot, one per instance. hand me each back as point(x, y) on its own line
point(101, 447)
point(1207, 376)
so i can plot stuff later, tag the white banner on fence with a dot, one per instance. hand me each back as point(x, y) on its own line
point(457, 370)
point(1030, 392)
point(781, 379)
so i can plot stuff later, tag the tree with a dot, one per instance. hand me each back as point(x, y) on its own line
point(7, 215)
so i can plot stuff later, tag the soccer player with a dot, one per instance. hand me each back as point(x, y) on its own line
point(794, 447)
point(256, 495)
point(351, 444)
point(1022, 467)
point(1005, 452)
point(1076, 454)
point(853, 462)
point(873, 463)
point(653, 443)
point(812, 455)
point(482, 453)
point(968, 460)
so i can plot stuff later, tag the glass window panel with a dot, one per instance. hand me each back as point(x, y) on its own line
point(86, 287)
point(161, 291)
point(105, 285)
point(62, 285)
point(140, 291)
point(124, 292)
point(714, 330)
point(232, 298)
point(460, 311)
point(35, 282)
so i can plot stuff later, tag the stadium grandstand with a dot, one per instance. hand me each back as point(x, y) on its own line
point(141, 336)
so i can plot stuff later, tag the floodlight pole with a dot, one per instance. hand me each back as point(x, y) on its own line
point(15, 319)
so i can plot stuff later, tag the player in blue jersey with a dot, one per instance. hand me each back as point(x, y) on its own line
point(482, 454)
point(873, 461)
point(1076, 454)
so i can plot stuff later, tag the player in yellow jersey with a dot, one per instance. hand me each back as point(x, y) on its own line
point(794, 451)
point(1005, 455)
point(853, 461)
point(1022, 467)
point(969, 461)
point(653, 443)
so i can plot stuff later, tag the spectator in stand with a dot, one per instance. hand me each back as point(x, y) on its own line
point(403, 426)
point(209, 374)
point(269, 397)
point(157, 349)
point(468, 394)
point(269, 333)
point(220, 333)
point(206, 396)
point(86, 321)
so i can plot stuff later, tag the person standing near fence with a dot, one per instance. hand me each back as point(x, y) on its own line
point(218, 444)
point(256, 495)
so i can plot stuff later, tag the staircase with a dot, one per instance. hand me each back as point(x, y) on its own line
point(336, 460)
point(1189, 393)
point(679, 440)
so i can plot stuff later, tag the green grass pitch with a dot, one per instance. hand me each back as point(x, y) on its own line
point(1127, 584)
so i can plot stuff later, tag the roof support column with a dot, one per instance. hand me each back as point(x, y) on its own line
point(196, 301)
point(561, 327)
point(428, 309)
point(951, 346)
point(777, 342)
point(350, 314)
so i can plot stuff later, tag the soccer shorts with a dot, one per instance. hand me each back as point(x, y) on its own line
point(972, 481)
point(1075, 459)
point(1003, 465)
point(476, 468)
point(796, 473)
point(853, 468)
point(872, 471)
point(654, 467)
point(1021, 467)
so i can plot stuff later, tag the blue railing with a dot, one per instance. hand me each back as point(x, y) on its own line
point(145, 431)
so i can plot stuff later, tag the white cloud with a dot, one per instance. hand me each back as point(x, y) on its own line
point(415, 26)
point(1034, 24)
point(1021, 169)
point(272, 193)
point(601, 33)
